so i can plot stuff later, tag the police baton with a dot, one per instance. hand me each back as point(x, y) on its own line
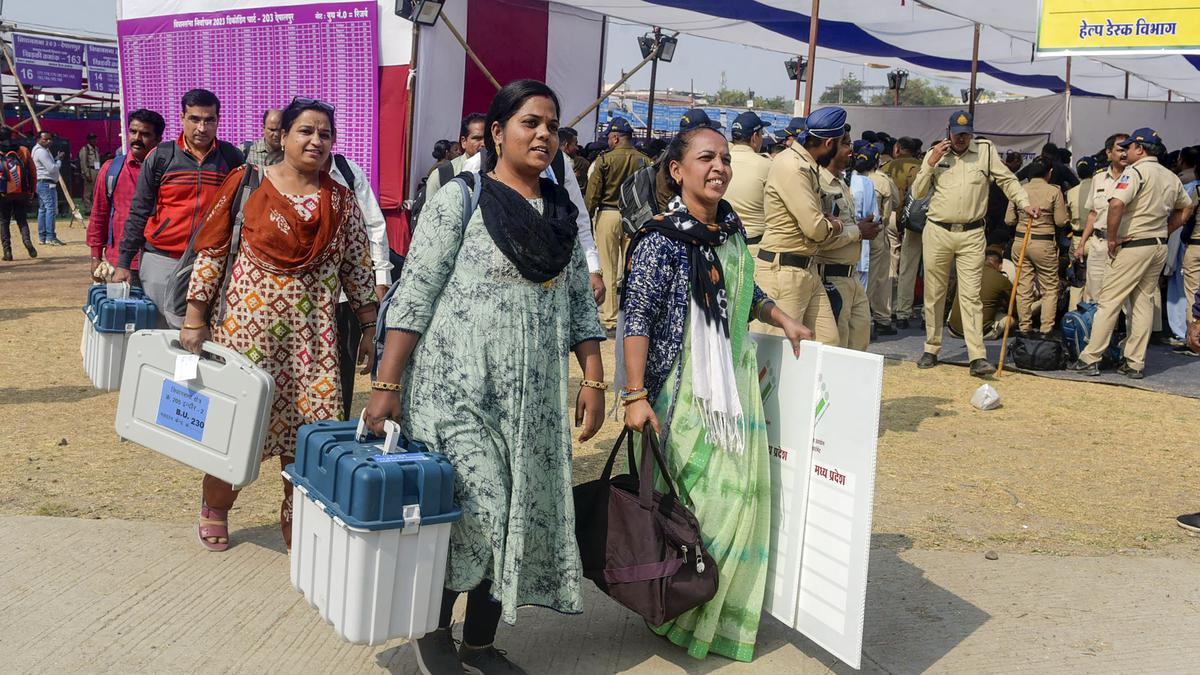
point(1012, 297)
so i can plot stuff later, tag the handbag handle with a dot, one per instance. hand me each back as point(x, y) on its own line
point(646, 480)
point(612, 456)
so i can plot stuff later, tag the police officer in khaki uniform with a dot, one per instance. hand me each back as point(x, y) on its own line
point(957, 173)
point(1041, 256)
point(885, 249)
point(903, 171)
point(603, 188)
point(837, 259)
point(747, 188)
point(793, 130)
point(1147, 203)
point(1091, 242)
point(797, 226)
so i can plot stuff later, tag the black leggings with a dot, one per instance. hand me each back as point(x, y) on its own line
point(483, 614)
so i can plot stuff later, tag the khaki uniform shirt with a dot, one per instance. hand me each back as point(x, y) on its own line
point(747, 188)
point(887, 194)
point(838, 198)
point(902, 171)
point(994, 290)
point(1079, 204)
point(1102, 185)
point(1150, 193)
point(796, 223)
point(1046, 197)
point(609, 171)
point(959, 184)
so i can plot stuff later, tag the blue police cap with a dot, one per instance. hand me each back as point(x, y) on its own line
point(696, 118)
point(962, 122)
point(1143, 136)
point(865, 150)
point(828, 122)
point(746, 124)
point(619, 125)
point(795, 127)
point(1086, 162)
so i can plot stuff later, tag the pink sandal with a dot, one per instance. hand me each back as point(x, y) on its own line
point(214, 527)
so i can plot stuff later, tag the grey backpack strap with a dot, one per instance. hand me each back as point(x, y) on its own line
point(470, 195)
point(249, 183)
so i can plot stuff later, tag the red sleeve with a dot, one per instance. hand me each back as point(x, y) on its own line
point(98, 225)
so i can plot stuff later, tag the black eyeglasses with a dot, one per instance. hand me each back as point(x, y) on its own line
point(301, 102)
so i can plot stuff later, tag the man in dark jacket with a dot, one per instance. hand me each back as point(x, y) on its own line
point(172, 192)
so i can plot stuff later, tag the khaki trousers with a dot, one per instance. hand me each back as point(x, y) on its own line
point(964, 250)
point(880, 276)
point(910, 262)
point(1191, 277)
point(1041, 261)
point(799, 293)
point(1097, 265)
point(611, 242)
point(854, 321)
point(1132, 275)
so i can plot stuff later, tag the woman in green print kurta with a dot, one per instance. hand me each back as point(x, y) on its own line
point(479, 334)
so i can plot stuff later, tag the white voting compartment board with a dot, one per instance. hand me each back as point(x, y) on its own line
point(209, 413)
point(828, 398)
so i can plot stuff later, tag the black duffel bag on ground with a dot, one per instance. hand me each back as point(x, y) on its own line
point(1034, 352)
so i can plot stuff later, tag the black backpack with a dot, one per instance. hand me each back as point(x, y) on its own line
point(637, 198)
point(445, 175)
point(1038, 353)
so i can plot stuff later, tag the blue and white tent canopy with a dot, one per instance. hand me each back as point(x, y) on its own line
point(929, 36)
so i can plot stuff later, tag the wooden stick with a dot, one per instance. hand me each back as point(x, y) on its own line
point(56, 106)
point(470, 52)
point(1012, 297)
point(597, 102)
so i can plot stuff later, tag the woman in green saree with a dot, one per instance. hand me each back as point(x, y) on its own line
point(690, 372)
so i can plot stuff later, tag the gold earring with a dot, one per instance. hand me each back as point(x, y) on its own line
point(499, 150)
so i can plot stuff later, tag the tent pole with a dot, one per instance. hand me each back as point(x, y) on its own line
point(613, 88)
point(813, 20)
point(1068, 89)
point(1127, 85)
point(1169, 96)
point(974, 70)
point(653, 81)
point(470, 52)
point(412, 109)
point(75, 214)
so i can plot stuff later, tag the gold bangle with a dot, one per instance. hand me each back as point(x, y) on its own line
point(640, 396)
point(203, 325)
point(594, 384)
point(387, 386)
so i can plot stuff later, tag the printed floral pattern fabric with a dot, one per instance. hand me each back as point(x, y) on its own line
point(286, 325)
point(656, 302)
point(487, 386)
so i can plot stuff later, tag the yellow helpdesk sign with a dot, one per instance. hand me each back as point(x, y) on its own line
point(1118, 27)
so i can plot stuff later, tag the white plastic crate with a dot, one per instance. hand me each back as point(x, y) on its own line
point(363, 553)
point(372, 586)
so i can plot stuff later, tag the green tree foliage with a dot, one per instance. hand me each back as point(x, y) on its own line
point(919, 92)
point(848, 91)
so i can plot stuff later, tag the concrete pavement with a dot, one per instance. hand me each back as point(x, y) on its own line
point(136, 597)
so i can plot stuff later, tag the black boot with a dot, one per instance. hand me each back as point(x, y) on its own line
point(7, 253)
point(29, 249)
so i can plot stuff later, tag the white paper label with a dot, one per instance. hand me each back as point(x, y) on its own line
point(186, 366)
point(118, 290)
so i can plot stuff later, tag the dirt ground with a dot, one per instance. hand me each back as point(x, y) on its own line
point(1062, 468)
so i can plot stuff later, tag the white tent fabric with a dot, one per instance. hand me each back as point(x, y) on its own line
point(927, 36)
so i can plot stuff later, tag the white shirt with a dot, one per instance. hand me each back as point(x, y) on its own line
point(47, 166)
point(582, 220)
point(372, 219)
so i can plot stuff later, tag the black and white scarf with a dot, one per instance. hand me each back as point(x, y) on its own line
point(538, 244)
point(714, 385)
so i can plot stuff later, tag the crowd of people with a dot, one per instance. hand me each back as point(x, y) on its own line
point(524, 251)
